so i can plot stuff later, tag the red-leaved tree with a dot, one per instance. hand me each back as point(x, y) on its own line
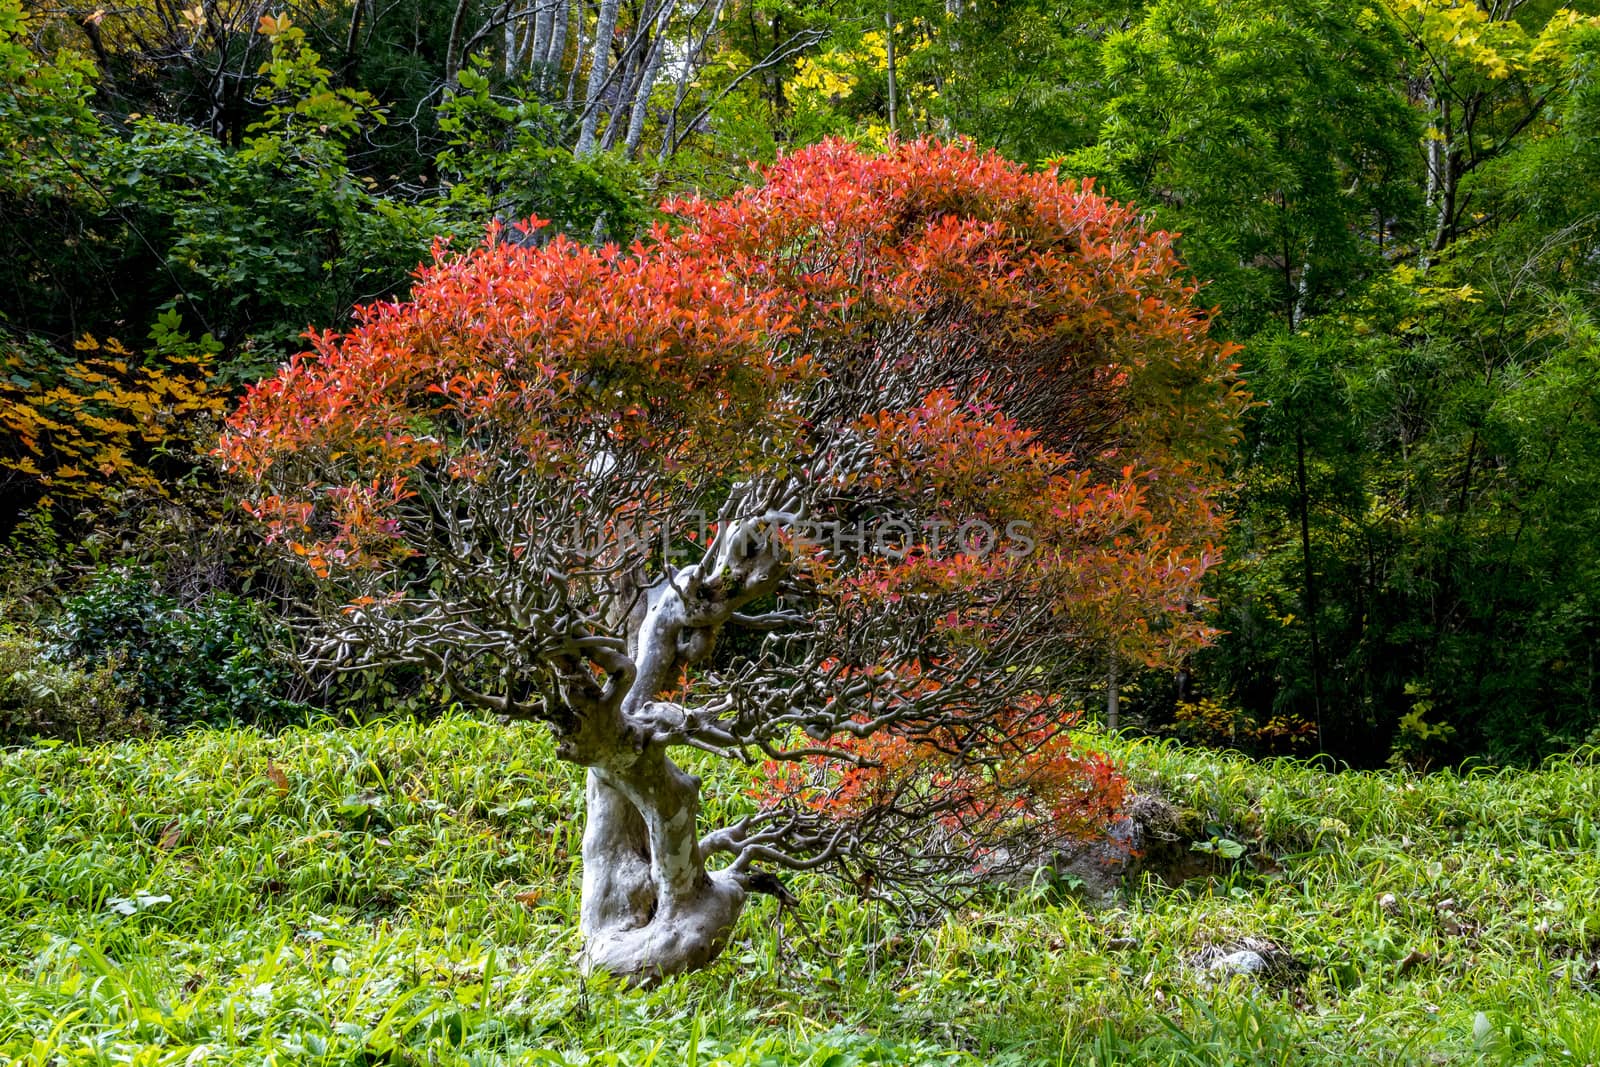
point(861, 473)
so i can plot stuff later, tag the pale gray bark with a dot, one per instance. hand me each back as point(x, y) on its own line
point(647, 83)
point(453, 47)
point(888, 58)
point(537, 42)
point(582, 41)
point(669, 136)
point(599, 70)
point(555, 51)
point(1441, 190)
point(624, 82)
point(649, 906)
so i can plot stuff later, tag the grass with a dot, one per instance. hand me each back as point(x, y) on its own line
point(405, 893)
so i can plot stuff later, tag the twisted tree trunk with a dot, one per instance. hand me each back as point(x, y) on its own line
point(650, 908)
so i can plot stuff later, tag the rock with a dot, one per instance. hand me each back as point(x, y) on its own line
point(1148, 837)
point(1253, 956)
point(1243, 961)
point(1097, 868)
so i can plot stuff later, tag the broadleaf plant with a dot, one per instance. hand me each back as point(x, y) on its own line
point(862, 472)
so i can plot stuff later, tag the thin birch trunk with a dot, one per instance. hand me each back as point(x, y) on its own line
point(599, 67)
point(452, 50)
point(555, 52)
point(577, 62)
point(535, 44)
point(888, 56)
point(626, 79)
point(670, 136)
point(647, 84)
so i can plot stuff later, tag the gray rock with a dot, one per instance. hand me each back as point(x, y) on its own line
point(1255, 957)
point(1243, 961)
point(1145, 838)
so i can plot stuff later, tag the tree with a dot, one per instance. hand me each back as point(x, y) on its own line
point(1278, 141)
point(952, 430)
point(1403, 564)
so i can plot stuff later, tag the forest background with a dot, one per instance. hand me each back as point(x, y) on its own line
point(1395, 205)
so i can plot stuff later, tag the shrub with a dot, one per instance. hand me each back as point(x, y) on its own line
point(216, 661)
point(933, 339)
point(41, 696)
point(1215, 724)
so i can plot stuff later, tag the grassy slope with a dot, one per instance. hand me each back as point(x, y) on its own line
point(404, 893)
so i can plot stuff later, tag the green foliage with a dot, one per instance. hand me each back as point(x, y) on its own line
point(214, 662)
point(307, 120)
point(1392, 206)
point(1417, 738)
point(504, 159)
point(44, 113)
point(262, 242)
point(254, 245)
point(43, 696)
point(1275, 139)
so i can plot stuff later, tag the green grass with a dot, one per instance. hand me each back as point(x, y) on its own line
point(406, 893)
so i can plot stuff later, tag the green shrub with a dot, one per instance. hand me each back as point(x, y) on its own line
point(218, 661)
point(43, 697)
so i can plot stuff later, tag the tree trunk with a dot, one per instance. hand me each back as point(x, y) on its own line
point(626, 84)
point(599, 72)
point(1304, 501)
point(1443, 177)
point(352, 54)
point(537, 42)
point(888, 59)
point(647, 84)
point(1113, 698)
point(649, 906)
point(452, 49)
point(669, 136)
point(555, 46)
point(582, 42)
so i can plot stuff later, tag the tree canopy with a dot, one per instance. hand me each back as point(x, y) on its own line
point(932, 435)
